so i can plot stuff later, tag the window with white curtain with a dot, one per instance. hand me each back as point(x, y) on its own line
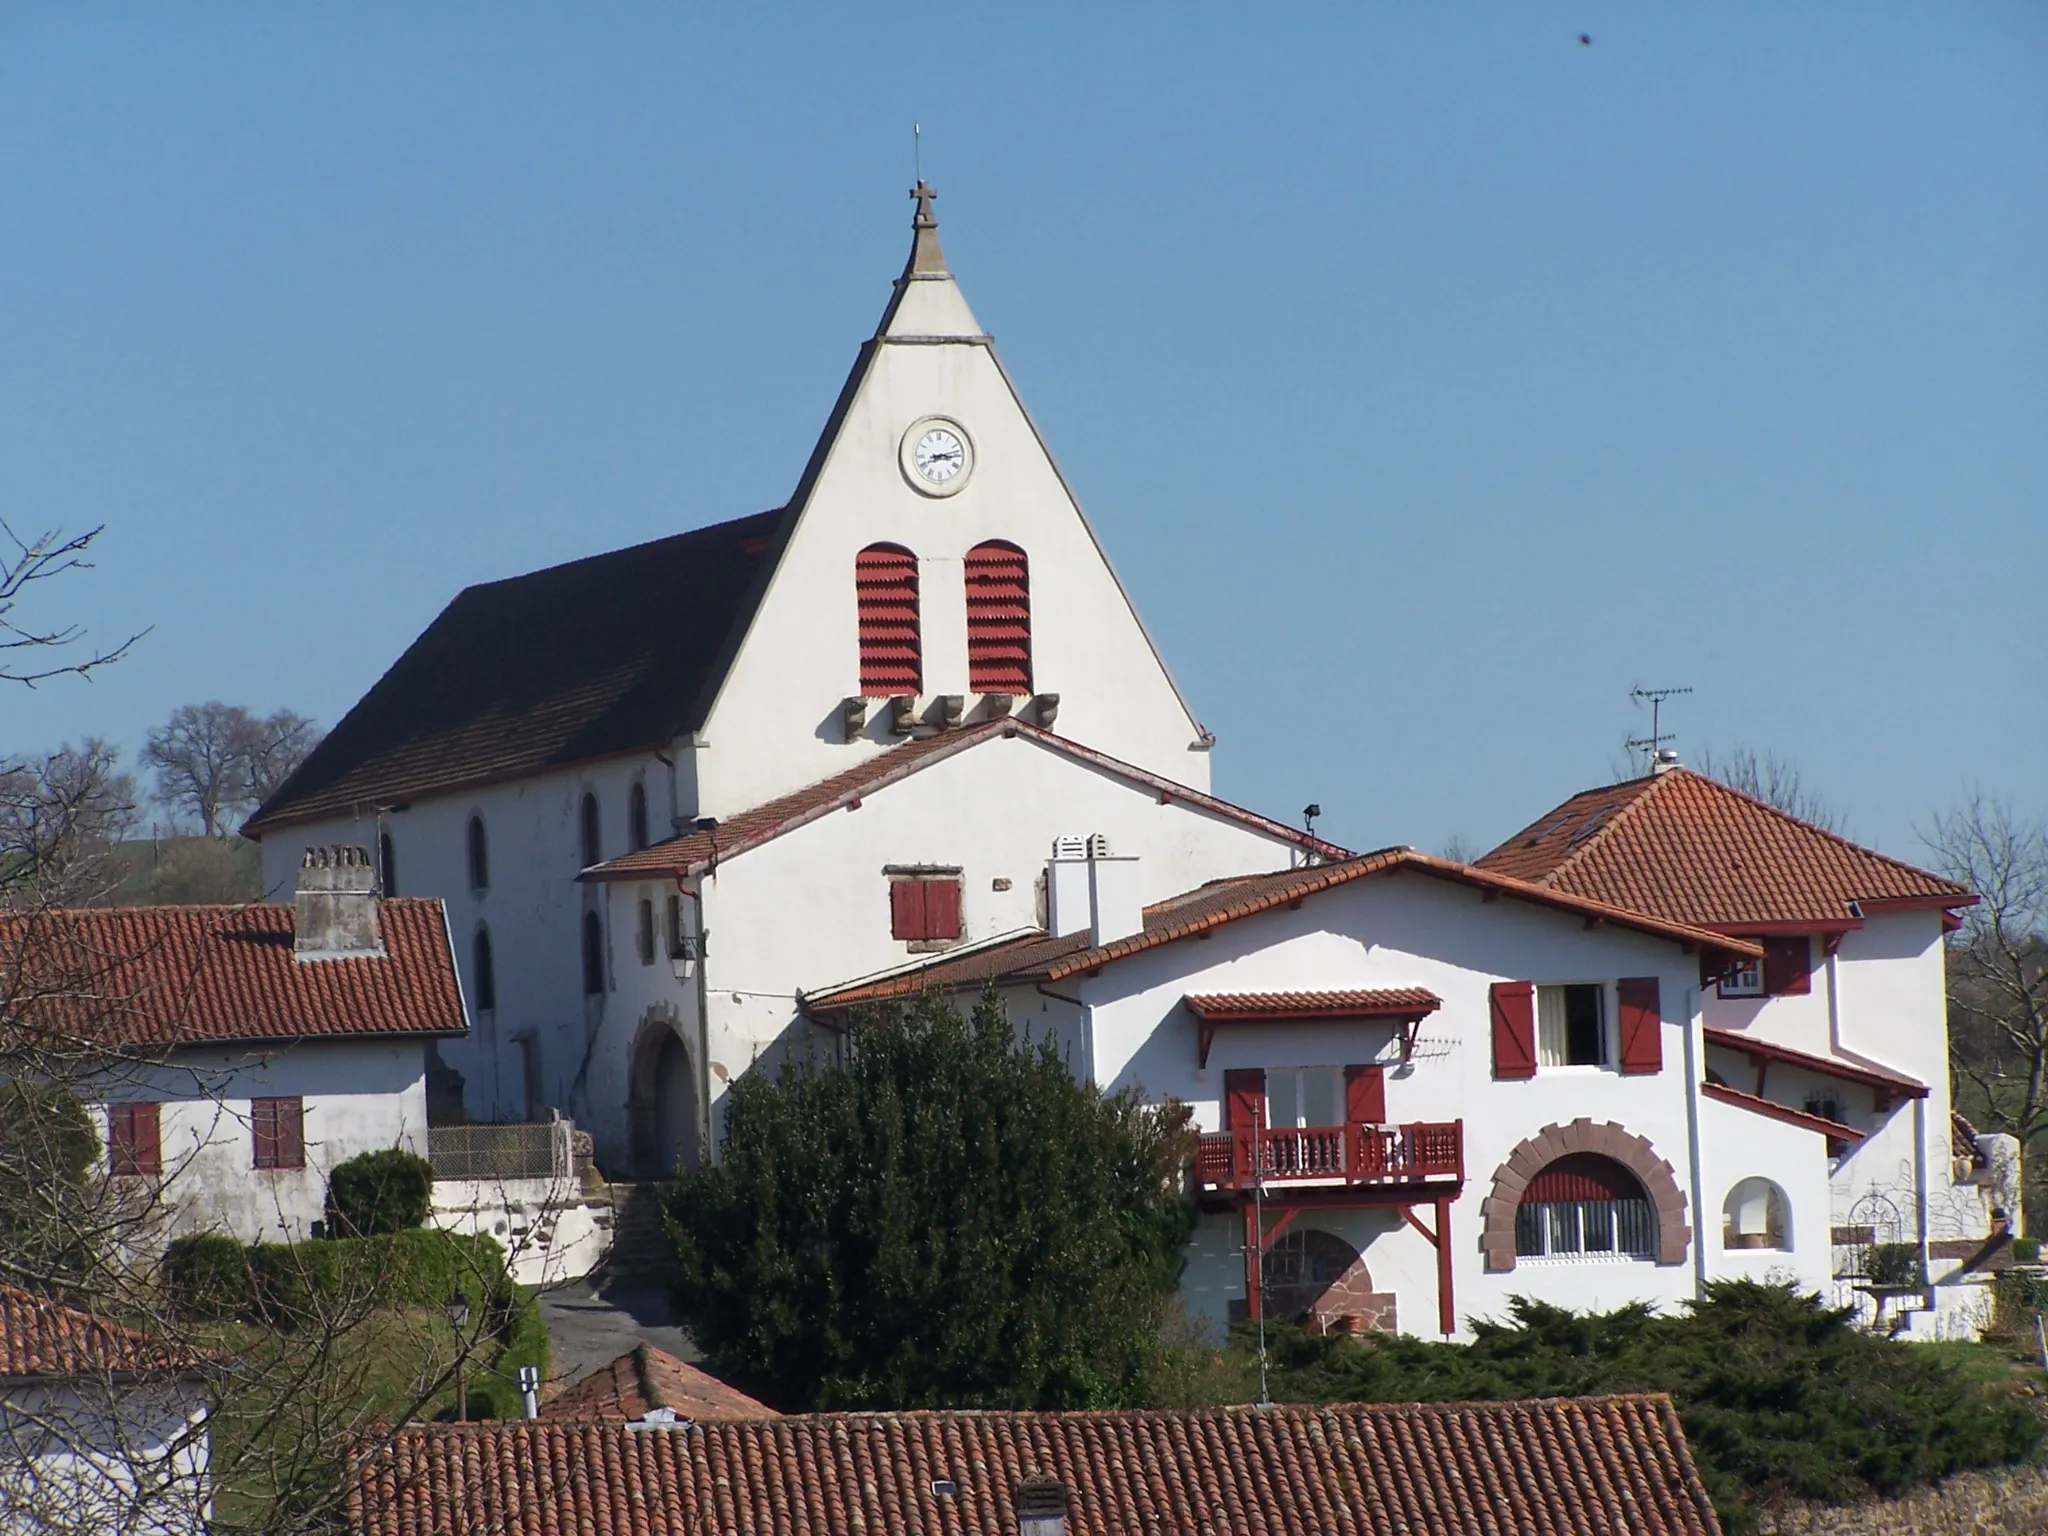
point(1571, 1026)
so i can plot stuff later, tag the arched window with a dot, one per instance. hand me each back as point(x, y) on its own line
point(484, 975)
point(479, 856)
point(998, 619)
point(593, 955)
point(593, 845)
point(387, 865)
point(885, 592)
point(636, 816)
point(1585, 1204)
point(645, 931)
point(1756, 1215)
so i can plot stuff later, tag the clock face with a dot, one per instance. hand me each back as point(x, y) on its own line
point(938, 455)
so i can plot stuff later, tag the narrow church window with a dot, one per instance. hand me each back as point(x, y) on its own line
point(646, 934)
point(593, 955)
point(484, 976)
point(593, 851)
point(636, 816)
point(387, 865)
point(885, 592)
point(998, 619)
point(479, 856)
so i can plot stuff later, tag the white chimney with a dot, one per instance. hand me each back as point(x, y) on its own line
point(335, 904)
point(1118, 909)
point(1068, 906)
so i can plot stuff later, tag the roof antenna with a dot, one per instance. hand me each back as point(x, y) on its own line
point(1309, 813)
point(1652, 745)
point(917, 149)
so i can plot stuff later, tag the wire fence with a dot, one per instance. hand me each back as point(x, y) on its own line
point(534, 1150)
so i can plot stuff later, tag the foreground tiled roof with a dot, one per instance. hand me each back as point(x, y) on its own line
point(38, 1337)
point(1359, 1002)
point(617, 653)
point(1616, 1466)
point(695, 852)
point(1035, 957)
point(157, 976)
point(1680, 846)
point(645, 1378)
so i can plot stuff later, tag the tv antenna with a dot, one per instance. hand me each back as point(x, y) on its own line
point(1651, 745)
point(917, 149)
point(1309, 813)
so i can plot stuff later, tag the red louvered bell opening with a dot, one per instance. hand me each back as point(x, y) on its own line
point(885, 591)
point(998, 619)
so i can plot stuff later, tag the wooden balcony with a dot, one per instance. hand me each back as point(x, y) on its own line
point(1334, 1155)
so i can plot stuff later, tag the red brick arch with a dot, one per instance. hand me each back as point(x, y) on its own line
point(1659, 1181)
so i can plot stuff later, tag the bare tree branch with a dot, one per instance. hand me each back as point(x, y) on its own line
point(37, 559)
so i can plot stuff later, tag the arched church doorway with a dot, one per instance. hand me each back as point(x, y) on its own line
point(661, 1103)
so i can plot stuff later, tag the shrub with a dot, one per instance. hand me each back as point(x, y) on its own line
point(48, 1145)
point(379, 1192)
point(2026, 1250)
point(207, 1279)
point(1894, 1266)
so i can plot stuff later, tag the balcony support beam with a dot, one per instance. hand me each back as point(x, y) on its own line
point(1440, 1240)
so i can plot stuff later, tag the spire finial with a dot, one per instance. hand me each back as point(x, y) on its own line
point(925, 255)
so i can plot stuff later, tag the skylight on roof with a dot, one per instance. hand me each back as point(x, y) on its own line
point(1555, 827)
point(1593, 823)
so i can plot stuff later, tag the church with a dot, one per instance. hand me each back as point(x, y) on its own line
point(831, 737)
point(687, 805)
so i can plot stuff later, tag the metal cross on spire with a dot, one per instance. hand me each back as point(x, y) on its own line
point(926, 194)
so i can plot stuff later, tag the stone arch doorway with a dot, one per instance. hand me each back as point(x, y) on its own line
point(661, 1097)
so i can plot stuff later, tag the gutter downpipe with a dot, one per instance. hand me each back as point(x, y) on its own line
point(1694, 1018)
point(704, 1147)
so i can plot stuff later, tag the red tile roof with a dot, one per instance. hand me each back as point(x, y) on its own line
point(616, 653)
point(1680, 846)
point(1895, 1083)
point(1555, 1467)
point(1360, 1003)
point(1770, 1110)
point(644, 1378)
point(695, 852)
point(164, 976)
point(1035, 957)
point(39, 1337)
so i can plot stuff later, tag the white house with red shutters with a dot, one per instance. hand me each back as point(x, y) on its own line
point(615, 773)
point(1426, 1087)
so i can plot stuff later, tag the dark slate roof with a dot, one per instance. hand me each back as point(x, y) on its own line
point(616, 653)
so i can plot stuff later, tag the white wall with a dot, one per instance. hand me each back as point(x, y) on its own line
point(104, 1455)
point(359, 1096)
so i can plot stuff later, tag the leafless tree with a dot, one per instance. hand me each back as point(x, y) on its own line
point(30, 652)
point(1775, 781)
point(218, 761)
point(62, 818)
point(1998, 961)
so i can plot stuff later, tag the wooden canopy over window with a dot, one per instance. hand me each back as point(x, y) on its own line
point(1404, 1007)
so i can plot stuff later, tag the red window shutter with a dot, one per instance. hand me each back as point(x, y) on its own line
point(134, 1139)
point(907, 912)
point(998, 619)
point(885, 595)
point(263, 1130)
point(1365, 1095)
point(1514, 1029)
point(148, 1138)
point(1244, 1098)
point(1788, 965)
point(291, 1133)
point(1642, 1025)
point(941, 909)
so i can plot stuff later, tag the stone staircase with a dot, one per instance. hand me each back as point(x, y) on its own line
point(640, 1251)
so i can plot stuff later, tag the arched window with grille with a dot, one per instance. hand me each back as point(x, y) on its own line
point(1584, 1204)
point(479, 856)
point(593, 955)
point(998, 619)
point(484, 976)
point(885, 592)
point(587, 827)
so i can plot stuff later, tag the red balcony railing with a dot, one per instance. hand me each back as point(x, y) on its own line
point(1358, 1153)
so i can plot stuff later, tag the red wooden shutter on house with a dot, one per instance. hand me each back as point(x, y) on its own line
point(941, 909)
point(1788, 965)
point(279, 1131)
point(263, 1131)
point(1244, 1098)
point(885, 593)
point(134, 1138)
point(1642, 1025)
point(1365, 1095)
point(907, 909)
point(1514, 1029)
point(998, 619)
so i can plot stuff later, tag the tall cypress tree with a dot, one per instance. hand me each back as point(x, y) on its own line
point(949, 1219)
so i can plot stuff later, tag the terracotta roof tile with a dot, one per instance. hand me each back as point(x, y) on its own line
point(1771, 1110)
point(157, 976)
point(1555, 1467)
point(1363, 1002)
point(540, 671)
point(644, 1378)
point(1680, 846)
point(695, 851)
point(1895, 1083)
point(39, 1337)
point(1035, 957)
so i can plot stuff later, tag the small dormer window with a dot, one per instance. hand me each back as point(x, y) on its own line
point(1042, 1507)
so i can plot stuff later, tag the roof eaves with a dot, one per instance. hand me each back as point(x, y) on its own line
point(1774, 1111)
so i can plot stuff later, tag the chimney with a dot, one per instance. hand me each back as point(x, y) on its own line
point(1118, 910)
point(1068, 906)
point(335, 905)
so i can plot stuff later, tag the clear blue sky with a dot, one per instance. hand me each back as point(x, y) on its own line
point(1431, 377)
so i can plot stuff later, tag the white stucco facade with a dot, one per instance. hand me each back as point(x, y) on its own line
point(104, 1453)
